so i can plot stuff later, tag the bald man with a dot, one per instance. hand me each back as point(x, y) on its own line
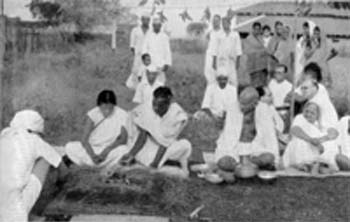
point(157, 44)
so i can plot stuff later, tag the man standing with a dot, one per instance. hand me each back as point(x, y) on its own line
point(157, 44)
point(229, 50)
point(154, 131)
point(213, 35)
point(257, 57)
point(284, 51)
point(137, 37)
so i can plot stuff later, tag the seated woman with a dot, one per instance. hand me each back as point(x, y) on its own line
point(310, 149)
point(105, 136)
point(25, 159)
point(343, 158)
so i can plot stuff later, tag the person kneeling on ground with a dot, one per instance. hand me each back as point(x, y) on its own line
point(343, 158)
point(105, 137)
point(307, 149)
point(25, 159)
point(220, 103)
point(154, 131)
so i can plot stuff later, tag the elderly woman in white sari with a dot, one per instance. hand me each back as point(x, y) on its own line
point(154, 129)
point(25, 159)
point(343, 158)
point(310, 149)
point(104, 139)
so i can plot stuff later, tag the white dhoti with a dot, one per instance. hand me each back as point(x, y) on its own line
point(178, 151)
point(78, 155)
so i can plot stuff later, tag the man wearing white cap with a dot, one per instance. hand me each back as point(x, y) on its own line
point(25, 159)
point(228, 51)
point(137, 38)
point(157, 44)
point(149, 83)
point(221, 103)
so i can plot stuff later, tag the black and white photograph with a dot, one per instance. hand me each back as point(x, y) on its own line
point(174, 111)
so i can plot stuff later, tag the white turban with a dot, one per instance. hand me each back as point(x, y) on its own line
point(28, 120)
point(156, 19)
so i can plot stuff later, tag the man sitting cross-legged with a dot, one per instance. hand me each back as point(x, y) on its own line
point(154, 130)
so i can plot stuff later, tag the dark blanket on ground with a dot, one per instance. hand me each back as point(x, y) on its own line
point(288, 199)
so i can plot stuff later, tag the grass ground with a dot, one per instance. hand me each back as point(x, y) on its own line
point(64, 86)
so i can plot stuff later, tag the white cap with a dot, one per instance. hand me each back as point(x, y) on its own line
point(145, 14)
point(156, 19)
point(28, 120)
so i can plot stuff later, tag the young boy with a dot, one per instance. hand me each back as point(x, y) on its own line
point(280, 87)
point(148, 84)
point(133, 80)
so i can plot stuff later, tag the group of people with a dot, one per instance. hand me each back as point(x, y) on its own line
point(253, 120)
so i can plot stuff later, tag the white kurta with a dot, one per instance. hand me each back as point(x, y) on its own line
point(137, 38)
point(228, 49)
point(279, 91)
point(209, 72)
point(144, 92)
point(267, 122)
point(328, 114)
point(163, 131)
point(19, 151)
point(300, 152)
point(106, 132)
point(344, 136)
point(158, 46)
point(225, 100)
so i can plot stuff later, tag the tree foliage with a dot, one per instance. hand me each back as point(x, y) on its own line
point(83, 13)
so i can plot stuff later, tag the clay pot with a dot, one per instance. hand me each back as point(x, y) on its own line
point(343, 162)
point(247, 170)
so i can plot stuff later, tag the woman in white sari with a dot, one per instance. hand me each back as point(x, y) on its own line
point(25, 159)
point(309, 146)
point(104, 139)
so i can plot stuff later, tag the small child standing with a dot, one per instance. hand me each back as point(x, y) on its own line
point(149, 83)
point(135, 78)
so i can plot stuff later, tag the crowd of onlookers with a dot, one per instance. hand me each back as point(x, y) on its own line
point(256, 131)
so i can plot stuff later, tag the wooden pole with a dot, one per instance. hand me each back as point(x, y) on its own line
point(2, 56)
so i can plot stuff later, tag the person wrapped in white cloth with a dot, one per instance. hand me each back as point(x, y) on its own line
point(137, 37)
point(220, 102)
point(105, 136)
point(228, 51)
point(157, 45)
point(25, 159)
point(154, 130)
point(343, 157)
point(310, 146)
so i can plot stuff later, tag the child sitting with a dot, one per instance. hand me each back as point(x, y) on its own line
point(148, 84)
point(135, 78)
